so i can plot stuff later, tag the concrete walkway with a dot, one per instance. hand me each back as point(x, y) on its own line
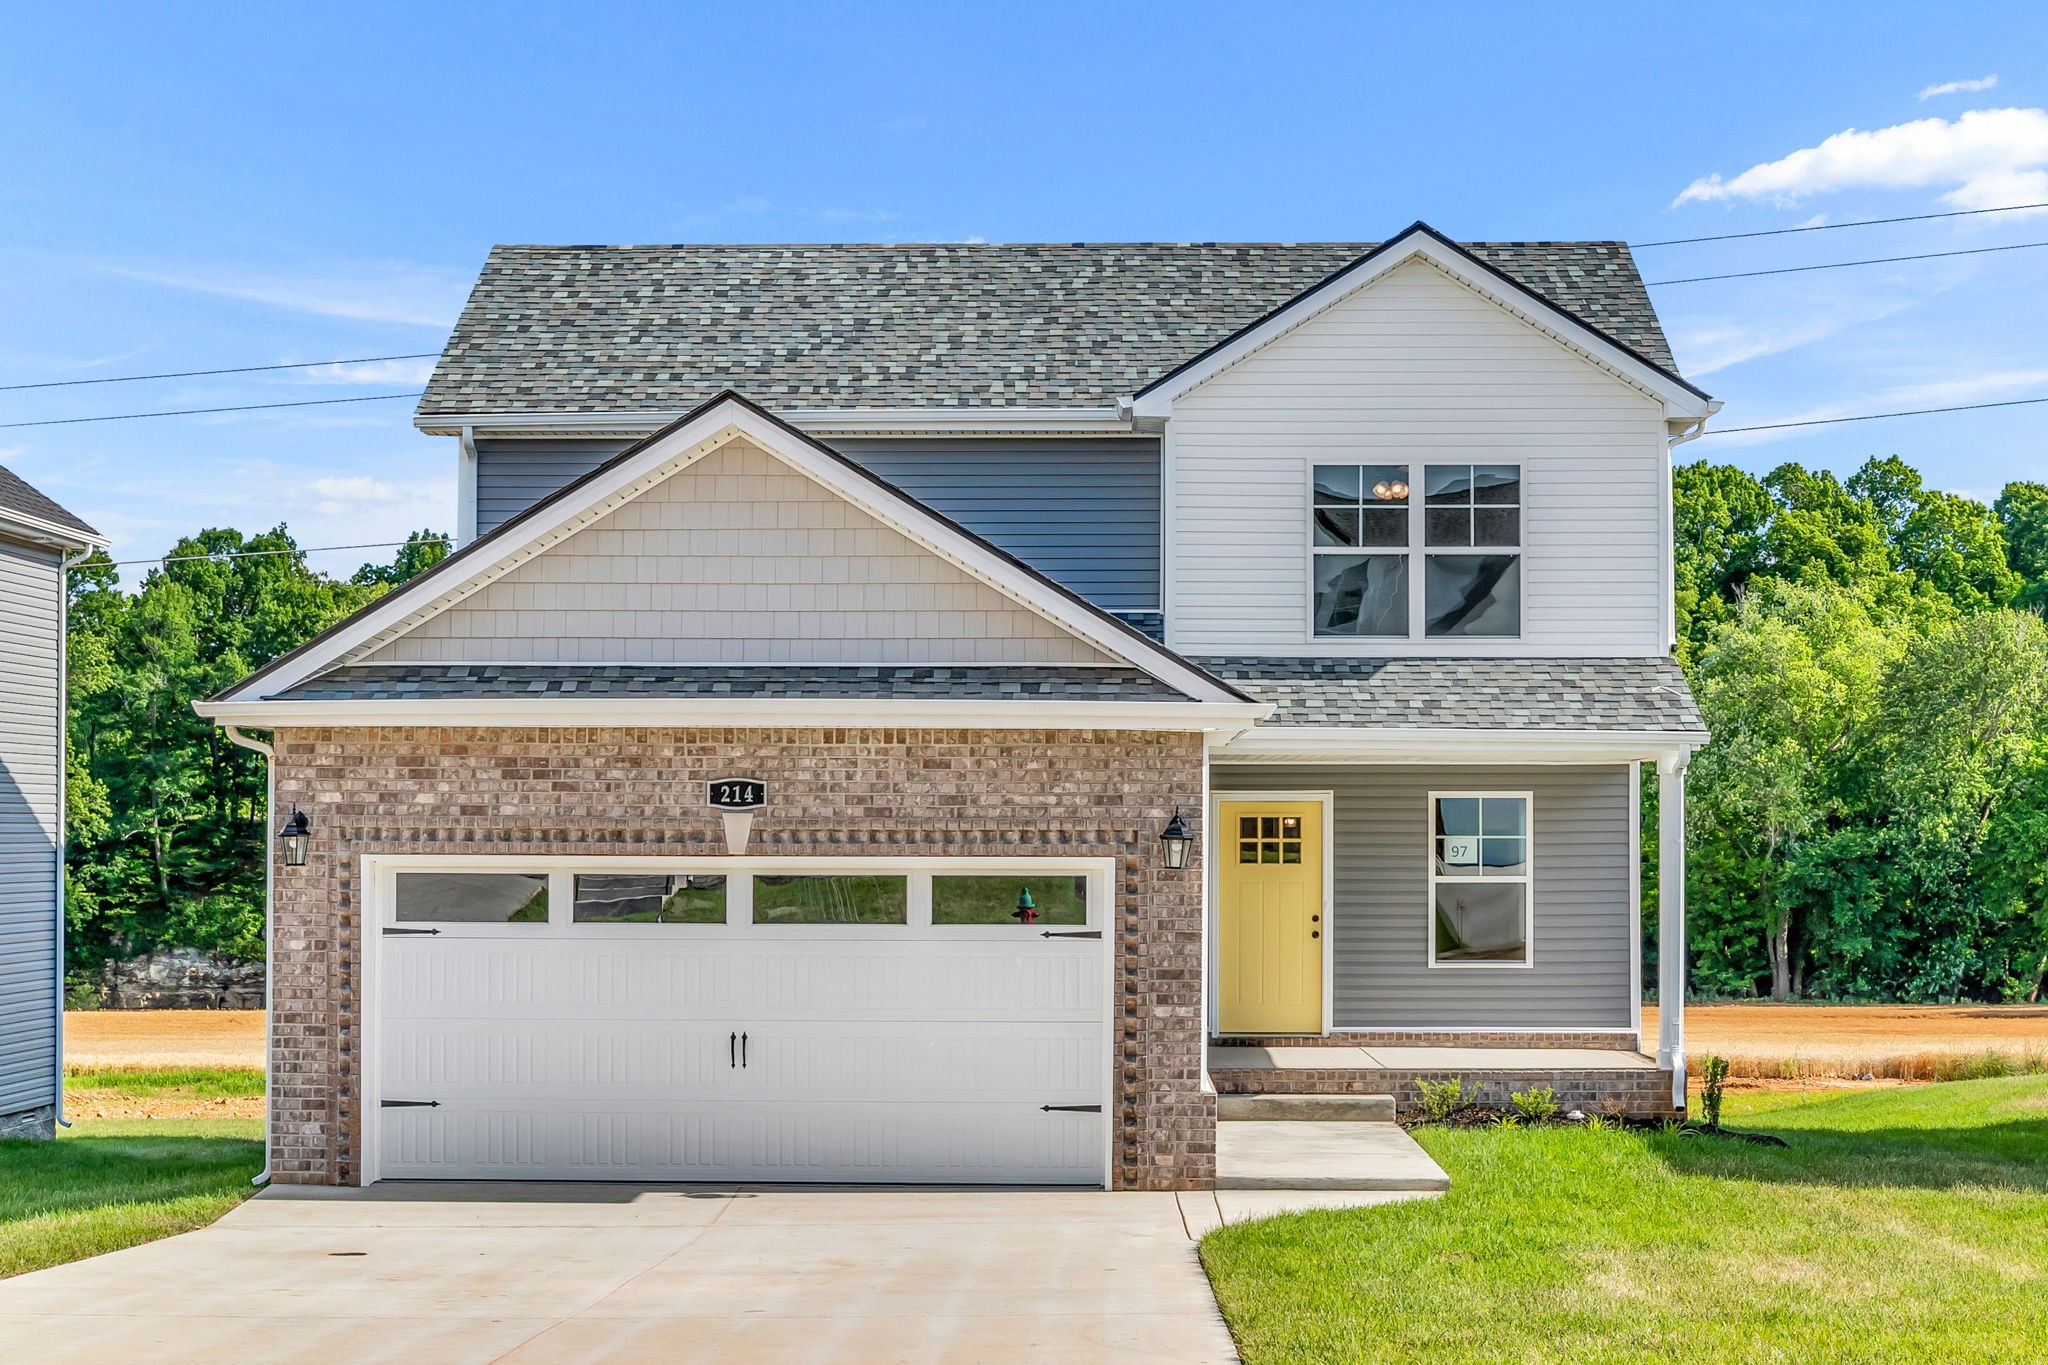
point(529, 1273)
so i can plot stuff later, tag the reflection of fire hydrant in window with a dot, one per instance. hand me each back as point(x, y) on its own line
point(1027, 908)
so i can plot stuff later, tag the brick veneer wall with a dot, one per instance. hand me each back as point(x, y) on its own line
point(839, 792)
point(1642, 1092)
point(1611, 1041)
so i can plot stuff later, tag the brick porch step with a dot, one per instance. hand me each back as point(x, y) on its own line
point(1306, 1108)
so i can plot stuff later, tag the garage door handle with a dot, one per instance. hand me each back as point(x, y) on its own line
point(743, 1052)
point(408, 1104)
point(1072, 933)
point(1069, 1108)
point(391, 932)
point(732, 1050)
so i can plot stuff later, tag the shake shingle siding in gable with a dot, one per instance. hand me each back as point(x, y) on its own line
point(1084, 511)
point(737, 558)
point(632, 329)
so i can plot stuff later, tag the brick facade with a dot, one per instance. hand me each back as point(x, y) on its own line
point(1641, 1092)
point(849, 792)
point(1599, 1038)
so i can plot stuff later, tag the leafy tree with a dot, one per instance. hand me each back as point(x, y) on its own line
point(2022, 511)
point(167, 843)
point(422, 551)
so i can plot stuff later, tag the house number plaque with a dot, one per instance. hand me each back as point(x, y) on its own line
point(736, 793)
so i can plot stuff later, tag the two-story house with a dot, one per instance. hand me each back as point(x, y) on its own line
point(944, 712)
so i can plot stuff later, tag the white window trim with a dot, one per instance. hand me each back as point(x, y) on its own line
point(1527, 881)
point(1417, 553)
point(378, 871)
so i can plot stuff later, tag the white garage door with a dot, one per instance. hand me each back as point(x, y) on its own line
point(740, 1020)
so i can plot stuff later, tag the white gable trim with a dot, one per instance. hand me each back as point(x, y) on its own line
point(1417, 244)
point(718, 424)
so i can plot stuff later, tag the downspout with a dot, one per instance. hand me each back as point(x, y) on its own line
point(65, 564)
point(465, 489)
point(236, 736)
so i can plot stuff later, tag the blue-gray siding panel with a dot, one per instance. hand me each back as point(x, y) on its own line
point(1580, 925)
point(1084, 511)
point(28, 826)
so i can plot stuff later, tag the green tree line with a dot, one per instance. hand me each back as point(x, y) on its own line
point(165, 815)
point(1870, 821)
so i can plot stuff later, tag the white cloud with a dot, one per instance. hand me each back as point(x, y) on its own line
point(378, 372)
point(1991, 157)
point(1959, 87)
point(418, 296)
point(1947, 391)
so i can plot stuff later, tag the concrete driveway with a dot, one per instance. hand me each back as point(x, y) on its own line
point(521, 1273)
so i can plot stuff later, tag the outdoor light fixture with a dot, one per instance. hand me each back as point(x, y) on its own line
point(1027, 908)
point(1177, 839)
point(293, 836)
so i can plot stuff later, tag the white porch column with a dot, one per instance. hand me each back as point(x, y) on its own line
point(1671, 920)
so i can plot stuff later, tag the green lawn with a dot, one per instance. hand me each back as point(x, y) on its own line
point(1900, 1225)
point(107, 1184)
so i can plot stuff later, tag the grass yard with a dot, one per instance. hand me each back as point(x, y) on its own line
point(110, 1183)
point(1906, 1224)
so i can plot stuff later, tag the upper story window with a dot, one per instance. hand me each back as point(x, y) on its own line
point(1364, 532)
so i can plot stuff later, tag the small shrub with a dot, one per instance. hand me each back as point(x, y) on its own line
point(1535, 1105)
point(80, 994)
point(1596, 1123)
point(1714, 1080)
point(1508, 1121)
point(1441, 1099)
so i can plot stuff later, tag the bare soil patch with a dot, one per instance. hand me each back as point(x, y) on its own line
point(132, 1038)
point(1811, 1043)
point(113, 1104)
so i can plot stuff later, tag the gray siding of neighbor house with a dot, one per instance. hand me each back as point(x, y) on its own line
point(1084, 511)
point(28, 826)
point(1580, 925)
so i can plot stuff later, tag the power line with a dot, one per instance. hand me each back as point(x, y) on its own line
point(239, 369)
point(194, 412)
point(1870, 417)
point(303, 550)
point(1838, 265)
point(1829, 227)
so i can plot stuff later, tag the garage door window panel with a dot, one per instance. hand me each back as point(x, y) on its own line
point(649, 898)
point(992, 900)
point(827, 900)
point(493, 898)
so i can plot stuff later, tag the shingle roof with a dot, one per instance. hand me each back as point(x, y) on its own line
point(18, 497)
point(587, 329)
point(425, 682)
point(1492, 694)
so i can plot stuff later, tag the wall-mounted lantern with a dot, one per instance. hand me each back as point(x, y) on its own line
point(293, 836)
point(1027, 908)
point(1177, 839)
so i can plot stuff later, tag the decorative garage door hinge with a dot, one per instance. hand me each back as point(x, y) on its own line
point(391, 931)
point(1072, 933)
point(408, 1104)
point(1070, 1108)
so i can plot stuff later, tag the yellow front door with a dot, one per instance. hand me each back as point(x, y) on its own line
point(1270, 917)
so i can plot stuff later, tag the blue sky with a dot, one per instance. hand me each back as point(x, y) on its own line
point(183, 188)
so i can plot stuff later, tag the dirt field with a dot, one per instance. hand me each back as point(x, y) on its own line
point(163, 1038)
point(1898, 1042)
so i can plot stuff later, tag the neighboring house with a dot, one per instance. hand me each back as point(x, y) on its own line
point(36, 538)
point(773, 786)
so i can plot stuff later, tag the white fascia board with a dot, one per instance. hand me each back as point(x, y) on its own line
point(1678, 400)
point(936, 420)
point(1417, 744)
point(22, 526)
point(1206, 717)
point(685, 445)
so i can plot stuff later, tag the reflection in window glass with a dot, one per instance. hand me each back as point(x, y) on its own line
point(995, 899)
point(1482, 921)
point(472, 898)
point(1473, 595)
point(643, 898)
point(1361, 595)
point(831, 900)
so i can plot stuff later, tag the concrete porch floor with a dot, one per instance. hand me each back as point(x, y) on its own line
point(1430, 1059)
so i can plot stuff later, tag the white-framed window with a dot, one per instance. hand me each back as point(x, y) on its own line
point(1367, 529)
point(1481, 906)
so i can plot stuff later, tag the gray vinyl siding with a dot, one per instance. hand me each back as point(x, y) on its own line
point(1580, 921)
point(1084, 511)
point(28, 825)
